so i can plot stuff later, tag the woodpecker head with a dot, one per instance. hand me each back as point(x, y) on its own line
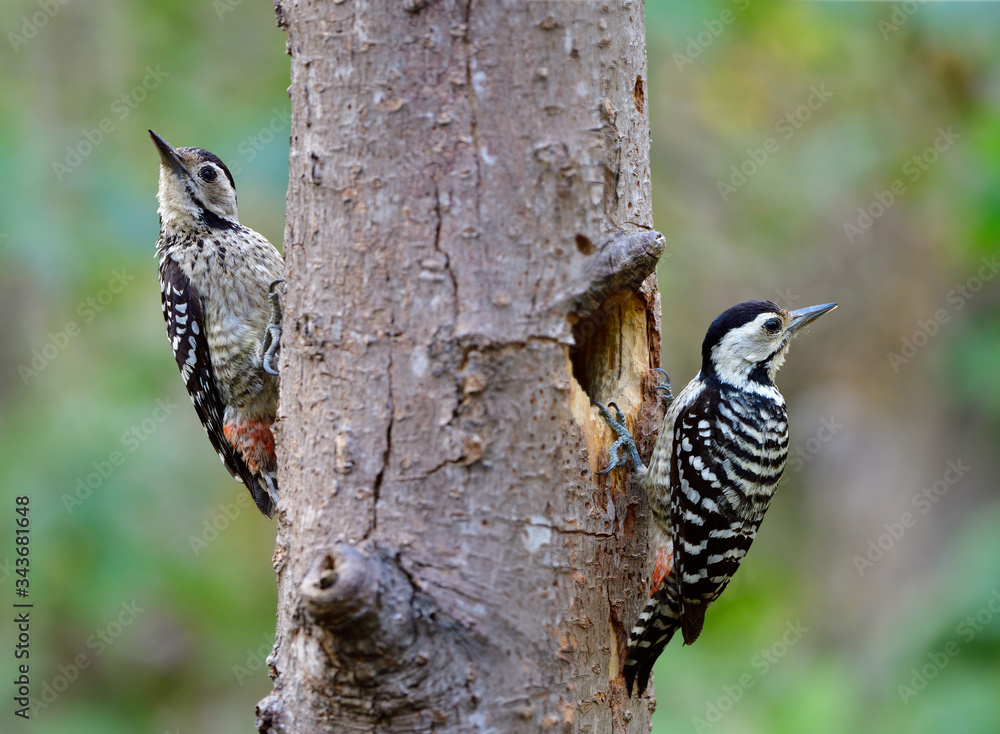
point(748, 342)
point(194, 185)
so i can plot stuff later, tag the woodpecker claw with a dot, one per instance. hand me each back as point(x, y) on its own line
point(272, 335)
point(625, 440)
point(668, 395)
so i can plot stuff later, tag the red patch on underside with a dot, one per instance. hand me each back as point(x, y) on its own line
point(254, 440)
point(664, 563)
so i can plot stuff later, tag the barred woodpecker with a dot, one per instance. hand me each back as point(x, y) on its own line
point(218, 282)
point(718, 457)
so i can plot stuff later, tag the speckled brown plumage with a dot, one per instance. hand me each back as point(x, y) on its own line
point(216, 277)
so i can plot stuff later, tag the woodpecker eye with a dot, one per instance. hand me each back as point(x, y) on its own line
point(772, 326)
point(208, 174)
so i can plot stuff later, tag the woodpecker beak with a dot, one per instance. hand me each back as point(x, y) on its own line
point(169, 155)
point(805, 316)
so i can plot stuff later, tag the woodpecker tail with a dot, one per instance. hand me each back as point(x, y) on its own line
point(266, 496)
point(250, 445)
point(656, 625)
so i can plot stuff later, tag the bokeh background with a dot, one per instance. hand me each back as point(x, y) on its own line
point(802, 152)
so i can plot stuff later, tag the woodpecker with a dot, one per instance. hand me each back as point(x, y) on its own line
point(718, 457)
point(218, 282)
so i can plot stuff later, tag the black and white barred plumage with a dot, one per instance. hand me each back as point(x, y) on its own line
point(717, 461)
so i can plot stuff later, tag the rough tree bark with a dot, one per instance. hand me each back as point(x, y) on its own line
point(468, 250)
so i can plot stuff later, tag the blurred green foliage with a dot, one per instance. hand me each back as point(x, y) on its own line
point(151, 577)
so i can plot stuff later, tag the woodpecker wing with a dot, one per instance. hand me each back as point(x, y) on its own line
point(707, 512)
point(185, 318)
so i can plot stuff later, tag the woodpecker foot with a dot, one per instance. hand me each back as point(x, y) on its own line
point(625, 440)
point(668, 396)
point(664, 564)
point(272, 335)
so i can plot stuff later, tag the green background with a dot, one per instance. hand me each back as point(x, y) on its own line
point(154, 590)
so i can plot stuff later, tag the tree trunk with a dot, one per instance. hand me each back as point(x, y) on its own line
point(468, 244)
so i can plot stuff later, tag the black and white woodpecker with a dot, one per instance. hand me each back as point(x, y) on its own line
point(718, 458)
point(218, 283)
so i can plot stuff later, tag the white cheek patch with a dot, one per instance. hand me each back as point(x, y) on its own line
point(742, 349)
